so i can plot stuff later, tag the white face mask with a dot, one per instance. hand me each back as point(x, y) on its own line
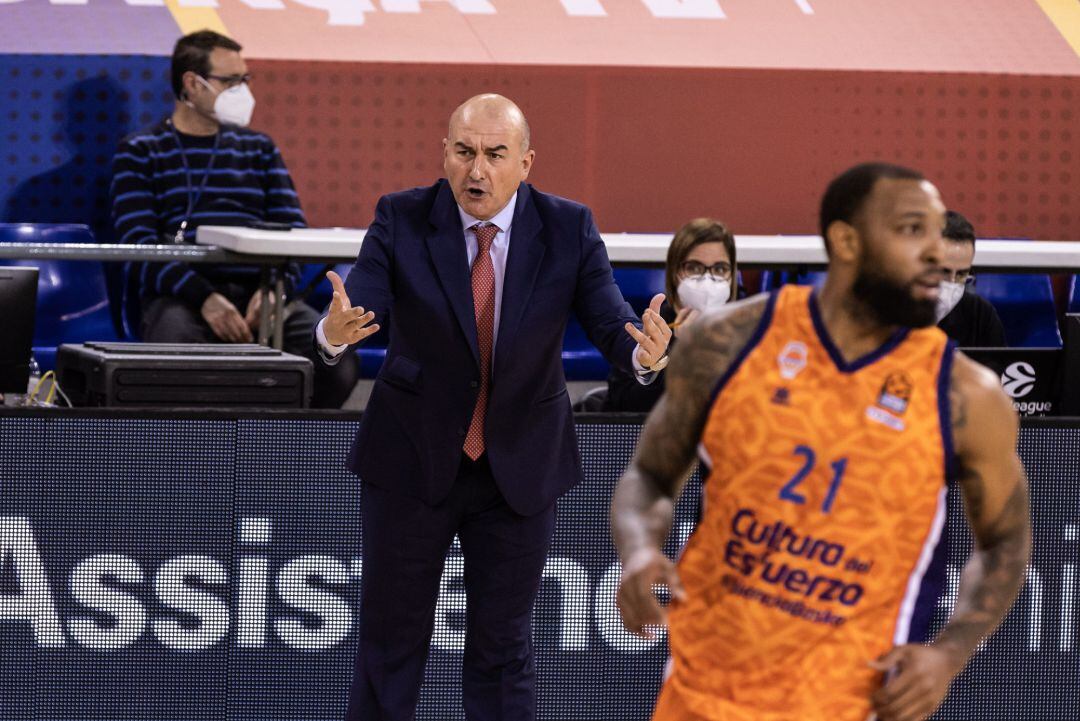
point(703, 293)
point(233, 106)
point(950, 295)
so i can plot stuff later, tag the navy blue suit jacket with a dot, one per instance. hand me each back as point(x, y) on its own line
point(413, 271)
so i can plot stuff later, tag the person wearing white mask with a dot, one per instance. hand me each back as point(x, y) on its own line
point(700, 276)
point(967, 318)
point(203, 166)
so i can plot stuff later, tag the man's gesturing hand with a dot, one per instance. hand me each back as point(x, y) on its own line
point(345, 325)
point(654, 336)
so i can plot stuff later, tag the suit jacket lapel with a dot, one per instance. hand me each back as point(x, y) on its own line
point(446, 244)
point(522, 265)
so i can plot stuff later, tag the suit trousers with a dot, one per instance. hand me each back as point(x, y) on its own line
point(405, 542)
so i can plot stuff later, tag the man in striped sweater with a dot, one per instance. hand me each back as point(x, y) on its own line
point(201, 166)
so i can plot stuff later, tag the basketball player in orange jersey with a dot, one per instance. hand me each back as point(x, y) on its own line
point(832, 424)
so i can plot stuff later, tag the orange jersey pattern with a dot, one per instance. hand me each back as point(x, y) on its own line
point(823, 511)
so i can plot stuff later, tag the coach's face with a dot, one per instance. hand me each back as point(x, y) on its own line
point(899, 269)
point(486, 155)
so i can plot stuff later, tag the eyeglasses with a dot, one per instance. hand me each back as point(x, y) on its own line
point(694, 269)
point(959, 276)
point(231, 81)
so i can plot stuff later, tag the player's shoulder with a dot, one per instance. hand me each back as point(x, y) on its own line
point(733, 326)
point(973, 378)
point(976, 397)
point(712, 347)
point(749, 311)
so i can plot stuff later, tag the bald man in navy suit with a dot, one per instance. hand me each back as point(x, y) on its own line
point(469, 430)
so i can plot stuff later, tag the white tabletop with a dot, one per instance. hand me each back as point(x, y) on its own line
point(329, 243)
point(344, 244)
point(751, 249)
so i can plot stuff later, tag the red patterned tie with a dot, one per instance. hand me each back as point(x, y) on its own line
point(483, 291)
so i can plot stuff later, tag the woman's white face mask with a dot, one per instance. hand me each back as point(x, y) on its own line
point(703, 293)
point(234, 105)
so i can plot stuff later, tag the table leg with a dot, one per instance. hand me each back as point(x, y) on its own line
point(279, 311)
point(264, 310)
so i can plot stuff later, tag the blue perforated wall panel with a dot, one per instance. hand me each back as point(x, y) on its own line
point(61, 120)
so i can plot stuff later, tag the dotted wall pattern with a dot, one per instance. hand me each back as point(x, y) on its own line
point(61, 118)
point(1005, 149)
point(648, 148)
point(268, 506)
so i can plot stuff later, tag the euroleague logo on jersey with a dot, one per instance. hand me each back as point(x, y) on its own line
point(896, 392)
point(1018, 379)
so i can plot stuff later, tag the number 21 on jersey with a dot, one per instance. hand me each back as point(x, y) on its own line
point(790, 490)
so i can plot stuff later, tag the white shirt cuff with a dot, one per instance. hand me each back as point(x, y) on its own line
point(644, 376)
point(335, 350)
point(636, 363)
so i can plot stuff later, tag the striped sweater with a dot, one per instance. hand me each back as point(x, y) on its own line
point(247, 183)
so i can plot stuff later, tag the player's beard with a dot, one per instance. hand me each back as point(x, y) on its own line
point(891, 302)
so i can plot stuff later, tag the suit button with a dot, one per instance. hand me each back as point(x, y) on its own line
point(474, 384)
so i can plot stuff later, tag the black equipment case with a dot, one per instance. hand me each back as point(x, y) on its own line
point(183, 375)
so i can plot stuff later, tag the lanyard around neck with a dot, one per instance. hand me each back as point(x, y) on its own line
point(193, 195)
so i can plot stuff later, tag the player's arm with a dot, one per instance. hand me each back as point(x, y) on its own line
point(641, 508)
point(995, 493)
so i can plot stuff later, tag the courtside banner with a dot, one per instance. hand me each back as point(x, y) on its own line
point(1031, 377)
point(207, 567)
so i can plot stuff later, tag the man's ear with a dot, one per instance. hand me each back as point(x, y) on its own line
point(188, 82)
point(845, 243)
point(526, 163)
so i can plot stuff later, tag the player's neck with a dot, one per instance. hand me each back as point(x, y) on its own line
point(852, 327)
point(190, 121)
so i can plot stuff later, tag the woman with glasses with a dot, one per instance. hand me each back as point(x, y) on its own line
point(700, 275)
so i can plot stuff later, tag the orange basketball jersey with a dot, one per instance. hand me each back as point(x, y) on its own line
point(820, 544)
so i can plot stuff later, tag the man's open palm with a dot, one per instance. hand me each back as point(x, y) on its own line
point(344, 324)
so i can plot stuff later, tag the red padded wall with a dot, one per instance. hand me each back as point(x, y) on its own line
point(648, 148)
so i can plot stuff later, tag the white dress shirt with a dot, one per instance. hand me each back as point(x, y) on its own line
point(500, 249)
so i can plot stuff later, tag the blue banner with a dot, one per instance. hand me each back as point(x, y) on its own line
point(188, 568)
